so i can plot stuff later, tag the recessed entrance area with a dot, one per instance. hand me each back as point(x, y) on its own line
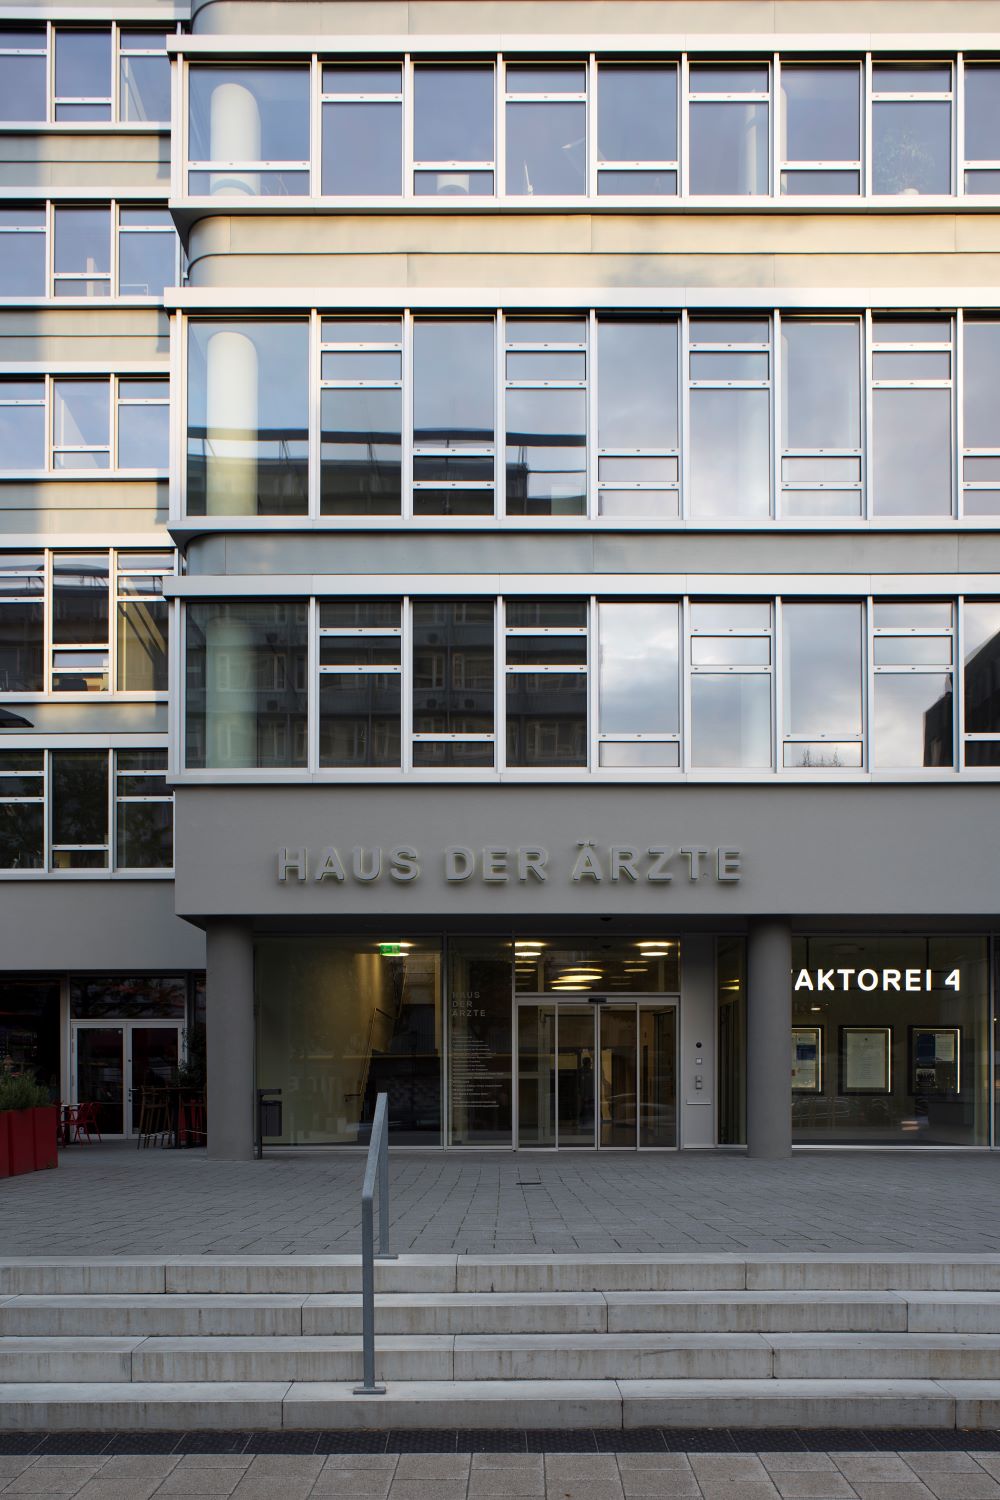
point(599, 1073)
point(113, 1061)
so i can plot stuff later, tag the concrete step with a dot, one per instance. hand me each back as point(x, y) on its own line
point(756, 1312)
point(885, 1356)
point(493, 1403)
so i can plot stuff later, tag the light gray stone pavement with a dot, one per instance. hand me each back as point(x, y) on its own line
point(508, 1476)
point(116, 1200)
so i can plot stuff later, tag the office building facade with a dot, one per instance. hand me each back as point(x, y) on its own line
point(499, 593)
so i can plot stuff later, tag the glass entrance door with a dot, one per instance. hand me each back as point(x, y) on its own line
point(597, 1074)
point(114, 1061)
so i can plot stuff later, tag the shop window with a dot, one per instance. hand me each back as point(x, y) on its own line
point(913, 710)
point(83, 74)
point(546, 674)
point(361, 416)
point(981, 412)
point(453, 688)
point(246, 684)
point(638, 458)
point(139, 997)
point(143, 423)
point(360, 682)
point(340, 1020)
point(728, 114)
point(639, 686)
point(729, 371)
point(22, 251)
point(453, 133)
point(731, 665)
point(23, 63)
point(22, 809)
point(248, 418)
point(823, 655)
point(454, 448)
point(22, 622)
point(79, 811)
point(890, 1041)
point(82, 252)
point(248, 131)
point(912, 396)
point(546, 121)
point(911, 127)
point(821, 454)
point(362, 125)
point(820, 129)
point(144, 811)
point(29, 1029)
point(637, 154)
point(147, 252)
point(981, 650)
point(142, 612)
point(143, 76)
point(545, 364)
point(22, 424)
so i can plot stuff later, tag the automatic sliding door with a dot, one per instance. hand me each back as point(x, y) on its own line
point(536, 1075)
point(576, 1075)
point(618, 1075)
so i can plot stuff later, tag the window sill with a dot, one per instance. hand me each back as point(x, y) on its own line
point(91, 476)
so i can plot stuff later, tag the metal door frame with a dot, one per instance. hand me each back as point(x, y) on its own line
point(126, 1027)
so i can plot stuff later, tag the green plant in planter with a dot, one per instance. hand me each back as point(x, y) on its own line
point(191, 1073)
point(20, 1092)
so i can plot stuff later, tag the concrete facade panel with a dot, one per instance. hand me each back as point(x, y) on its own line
point(95, 924)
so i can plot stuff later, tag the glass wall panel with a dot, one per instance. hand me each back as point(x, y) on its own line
point(248, 418)
point(339, 1022)
point(479, 1041)
point(575, 1101)
point(246, 684)
point(893, 1035)
point(536, 1075)
point(29, 1029)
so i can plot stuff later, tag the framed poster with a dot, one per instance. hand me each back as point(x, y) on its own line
point(807, 1059)
point(935, 1059)
point(866, 1059)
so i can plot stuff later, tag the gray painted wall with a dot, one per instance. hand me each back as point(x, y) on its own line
point(60, 924)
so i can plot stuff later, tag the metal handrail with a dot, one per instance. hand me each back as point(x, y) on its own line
point(376, 1168)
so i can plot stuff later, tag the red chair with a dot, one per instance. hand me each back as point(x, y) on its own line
point(191, 1123)
point(81, 1122)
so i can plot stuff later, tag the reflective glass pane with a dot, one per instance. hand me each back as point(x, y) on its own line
point(146, 264)
point(453, 183)
point(729, 146)
point(79, 780)
point(22, 86)
point(359, 718)
point(361, 451)
point(913, 719)
point(822, 755)
point(637, 383)
point(822, 668)
point(911, 78)
point(731, 720)
point(982, 112)
point(22, 253)
point(22, 835)
point(536, 1075)
point(142, 646)
point(546, 149)
point(911, 147)
point(912, 650)
point(547, 718)
point(143, 437)
point(100, 1075)
point(636, 113)
point(756, 616)
point(636, 184)
point(730, 331)
point(638, 503)
point(889, 330)
point(913, 615)
point(821, 115)
point(22, 432)
point(981, 621)
point(729, 78)
point(452, 113)
point(546, 452)
point(731, 651)
point(453, 668)
point(982, 182)
point(911, 461)
point(633, 755)
point(362, 330)
point(453, 382)
point(144, 88)
point(730, 453)
point(248, 114)
point(145, 835)
point(827, 184)
point(362, 149)
point(729, 365)
point(21, 650)
point(540, 78)
point(83, 66)
point(618, 1079)
point(980, 387)
point(639, 669)
point(545, 330)
point(81, 412)
point(80, 598)
point(821, 384)
point(83, 241)
point(916, 364)
point(819, 503)
point(479, 1046)
point(347, 79)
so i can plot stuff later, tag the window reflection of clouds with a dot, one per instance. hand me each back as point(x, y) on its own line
point(639, 665)
point(822, 668)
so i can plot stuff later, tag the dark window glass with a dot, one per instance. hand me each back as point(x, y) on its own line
point(22, 74)
point(636, 113)
point(453, 680)
point(982, 667)
point(546, 452)
point(79, 781)
point(22, 816)
point(30, 1030)
point(246, 684)
point(141, 997)
point(361, 437)
point(80, 598)
point(144, 811)
point(359, 718)
point(546, 703)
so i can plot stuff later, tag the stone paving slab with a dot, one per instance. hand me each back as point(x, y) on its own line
point(301, 1202)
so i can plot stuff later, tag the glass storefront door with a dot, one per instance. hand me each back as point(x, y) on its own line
point(596, 1074)
point(114, 1061)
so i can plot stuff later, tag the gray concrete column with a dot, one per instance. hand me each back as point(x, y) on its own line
point(230, 1038)
point(769, 1039)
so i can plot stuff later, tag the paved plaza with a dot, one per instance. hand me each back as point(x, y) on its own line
point(784, 1475)
point(116, 1200)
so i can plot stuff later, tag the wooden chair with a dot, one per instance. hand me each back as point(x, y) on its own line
point(191, 1122)
point(154, 1117)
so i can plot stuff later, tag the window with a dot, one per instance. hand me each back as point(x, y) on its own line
point(22, 424)
point(912, 654)
point(821, 417)
point(731, 657)
point(143, 76)
point(981, 645)
point(546, 672)
point(728, 112)
point(982, 128)
point(80, 621)
point(23, 62)
point(453, 135)
point(454, 448)
point(143, 423)
point(639, 685)
point(361, 416)
point(82, 252)
point(911, 416)
point(546, 119)
point(820, 128)
point(22, 622)
point(248, 418)
point(981, 413)
point(246, 684)
point(911, 127)
point(22, 809)
point(637, 129)
point(248, 131)
point(22, 252)
point(79, 809)
point(83, 74)
point(453, 720)
point(142, 621)
point(144, 811)
point(360, 682)
point(730, 404)
point(147, 252)
point(546, 392)
point(363, 130)
point(81, 424)
point(638, 459)
point(822, 685)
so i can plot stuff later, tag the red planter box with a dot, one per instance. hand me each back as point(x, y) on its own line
point(45, 1128)
point(4, 1146)
point(28, 1139)
point(21, 1134)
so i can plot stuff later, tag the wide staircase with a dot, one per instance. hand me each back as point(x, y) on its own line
point(546, 1341)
